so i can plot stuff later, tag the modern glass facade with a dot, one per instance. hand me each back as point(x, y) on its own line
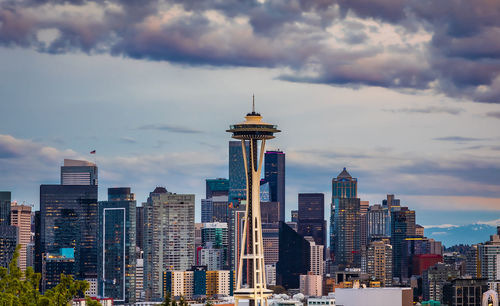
point(402, 226)
point(117, 254)
point(312, 216)
point(274, 174)
point(237, 176)
point(347, 229)
point(8, 242)
point(216, 187)
point(215, 209)
point(69, 219)
point(344, 186)
point(5, 199)
point(294, 257)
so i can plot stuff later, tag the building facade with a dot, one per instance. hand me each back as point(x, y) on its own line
point(20, 217)
point(117, 246)
point(168, 237)
point(312, 216)
point(274, 174)
point(78, 172)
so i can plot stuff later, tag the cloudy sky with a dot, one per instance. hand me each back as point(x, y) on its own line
point(404, 93)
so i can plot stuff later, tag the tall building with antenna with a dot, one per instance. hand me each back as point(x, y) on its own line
point(250, 133)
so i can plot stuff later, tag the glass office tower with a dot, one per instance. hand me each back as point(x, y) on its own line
point(117, 230)
point(274, 174)
point(237, 176)
point(68, 219)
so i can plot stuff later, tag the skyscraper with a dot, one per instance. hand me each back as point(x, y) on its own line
point(379, 261)
point(294, 257)
point(139, 227)
point(312, 216)
point(274, 174)
point(5, 199)
point(117, 254)
point(21, 218)
point(402, 226)
point(168, 237)
point(68, 216)
point(216, 187)
point(215, 236)
point(252, 131)
point(8, 233)
point(78, 172)
point(345, 227)
point(215, 209)
point(344, 186)
point(237, 176)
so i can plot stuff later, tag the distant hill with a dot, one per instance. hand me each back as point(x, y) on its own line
point(465, 234)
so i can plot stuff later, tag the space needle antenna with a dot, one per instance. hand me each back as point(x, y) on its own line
point(253, 103)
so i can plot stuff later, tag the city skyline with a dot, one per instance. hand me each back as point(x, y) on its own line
point(377, 91)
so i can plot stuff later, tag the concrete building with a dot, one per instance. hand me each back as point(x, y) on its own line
point(198, 283)
point(271, 274)
point(20, 217)
point(317, 259)
point(489, 258)
point(379, 262)
point(168, 237)
point(434, 278)
point(139, 279)
point(374, 296)
point(311, 285)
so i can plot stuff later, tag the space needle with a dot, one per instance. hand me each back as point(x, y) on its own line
point(251, 249)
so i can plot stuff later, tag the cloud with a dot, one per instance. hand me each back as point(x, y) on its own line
point(493, 115)
point(429, 110)
point(441, 226)
point(440, 46)
point(459, 139)
point(170, 128)
point(128, 140)
point(491, 222)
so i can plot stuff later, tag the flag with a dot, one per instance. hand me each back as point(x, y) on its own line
point(92, 152)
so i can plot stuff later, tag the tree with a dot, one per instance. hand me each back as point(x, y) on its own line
point(182, 301)
point(18, 288)
point(167, 301)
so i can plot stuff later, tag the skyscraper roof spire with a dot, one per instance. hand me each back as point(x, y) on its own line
point(253, 103)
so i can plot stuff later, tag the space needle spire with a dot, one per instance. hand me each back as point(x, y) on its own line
point(253, 131)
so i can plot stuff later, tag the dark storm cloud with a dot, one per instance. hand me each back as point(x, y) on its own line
point(170, 128)
point(461, 60)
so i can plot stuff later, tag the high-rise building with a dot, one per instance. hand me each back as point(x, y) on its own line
point(139, 227)
point(237, 176)
point(294, 257)
point(488, 255)
point(316, 266)
point(390, 202)
point(402, 226)
point(5, 199)
point(269, 212)
point(347, 232)
point(378, 223)
point(312, 216)
point(56, 263)
point(139, 278)
point(465, 292)
point(270, 237)
point(295, 215)
point(117, 243)
point(363, 222)
point(8, 242)
point(345, 201)
point(379, 262)
point(21, 218)
point(215, 209)
point(168, 237)
point(8, 233)
point(216, 187)
point(215, 236)
point(78, 172)
point(311, 285)
point(69, 220)
point(274, 174)
point(434, 278)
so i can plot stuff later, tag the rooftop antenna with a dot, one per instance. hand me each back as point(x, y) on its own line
point(253, 103)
